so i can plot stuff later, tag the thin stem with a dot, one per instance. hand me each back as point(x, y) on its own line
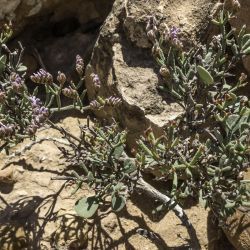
point(64, 178)
point(146, 188)
point(70, 107)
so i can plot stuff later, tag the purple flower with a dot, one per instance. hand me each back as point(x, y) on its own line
point(174, 32)
point(17, 83)
point(71, 93)
point(41, 111)
point(6, 130)
point(35, 102)
point(79, 65)
point(96, 80)
point(172, 36)
point(79, 60)
point(42, 77)
point(61, 78)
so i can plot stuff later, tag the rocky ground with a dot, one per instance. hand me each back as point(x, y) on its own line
point(37, 212)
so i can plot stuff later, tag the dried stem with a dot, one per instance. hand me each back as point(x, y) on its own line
point(144, 187)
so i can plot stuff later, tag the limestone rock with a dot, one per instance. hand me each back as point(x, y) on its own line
point(238, 229)
point(23, 12)
point(122, 59)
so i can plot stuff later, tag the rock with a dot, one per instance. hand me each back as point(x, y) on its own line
point(60, 52)
point(23, 12)
point(123, 61)
point(238, 225)
point(6, 175)
point(56, 32)
point(238, 229)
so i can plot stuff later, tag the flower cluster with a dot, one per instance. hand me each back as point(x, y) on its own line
point(79, 65)
point(39, 115)
point(6, 130)
point(96, 81)
point(171, 35)
point(111, 101)
point(71, 93)
point(61, 78)
point(17, 83)
point(152, 29)
point(42, 77)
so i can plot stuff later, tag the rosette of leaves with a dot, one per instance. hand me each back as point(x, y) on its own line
point(208, 144)
point(99, 152)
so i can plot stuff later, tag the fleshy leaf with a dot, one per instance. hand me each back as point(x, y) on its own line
point(3, 59)
point(129, 166)
point(21, 68)
point(118, 151)
point(87, 206)
point(118, 202)
point(205, 75)
point(232, 121)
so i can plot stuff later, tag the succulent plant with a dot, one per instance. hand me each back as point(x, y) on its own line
point(207, 149)
point(99, 153)
point(204, 152)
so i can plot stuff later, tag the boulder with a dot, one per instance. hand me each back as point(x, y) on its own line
point(122, 59)
point(23, 12)
point(238, 229)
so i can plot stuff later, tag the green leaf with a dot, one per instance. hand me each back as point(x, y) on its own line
point(232, 121)
point(223, 160)
point(90, 176)
point(119, 186)
point(230, 204)
point(218, 136)
point(188, 173)
point(242, 32)
point(235, 49)
point(244, 126)
point(35, 92)
point(87, 206)
point(118, 202)
point(129, 166)
point(118, 151)
point(174, 185)
point(202, 202)
point(246, 51)
point(3, 60)
point(21, 68)
point(246, 41)
point(205, 75)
